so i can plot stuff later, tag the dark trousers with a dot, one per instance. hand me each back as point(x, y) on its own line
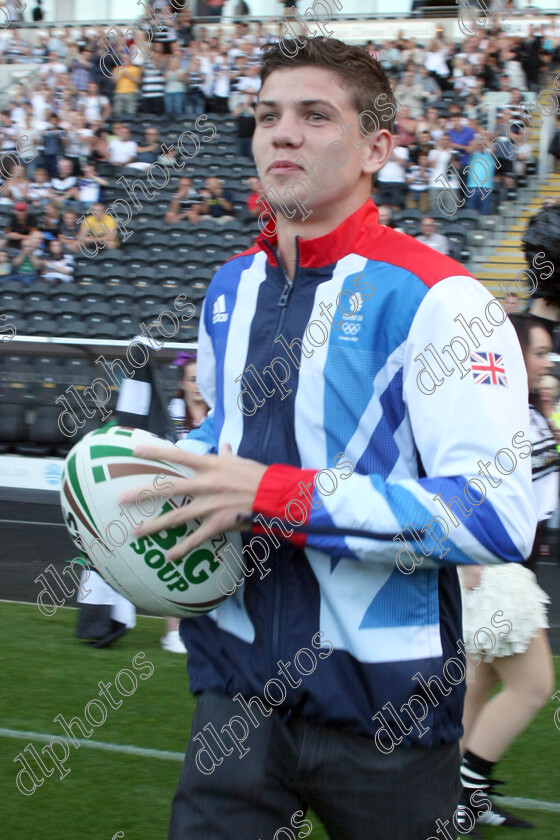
point(358, 792)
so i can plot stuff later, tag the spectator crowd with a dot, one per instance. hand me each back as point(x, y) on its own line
point(68, 131)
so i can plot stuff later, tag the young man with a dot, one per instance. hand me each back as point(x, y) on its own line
point(332, 350)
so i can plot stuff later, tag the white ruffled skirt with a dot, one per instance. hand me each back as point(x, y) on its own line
point(508, 594)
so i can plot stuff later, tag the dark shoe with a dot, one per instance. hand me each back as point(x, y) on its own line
point(117, 631)
point(498, 816)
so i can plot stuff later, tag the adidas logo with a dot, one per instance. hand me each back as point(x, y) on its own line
point(219, 313)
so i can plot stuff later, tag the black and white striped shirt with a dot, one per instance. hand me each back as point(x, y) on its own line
point(545, 462)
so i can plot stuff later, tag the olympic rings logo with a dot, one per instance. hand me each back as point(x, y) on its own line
point(349, 328)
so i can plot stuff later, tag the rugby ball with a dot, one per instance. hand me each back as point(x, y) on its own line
point(97, 471)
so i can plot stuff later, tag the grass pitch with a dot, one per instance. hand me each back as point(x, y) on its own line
point(47, 672)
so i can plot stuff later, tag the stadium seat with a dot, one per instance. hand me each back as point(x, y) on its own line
point(96, 326)
point(11, 286)
point(12, 425)
point(120, 295)
point(126, 326)
point(10, 300)
point(44, 306)
point(40, 324)
point(90, 426)
point(197, 289)
point(39, 288)
point(175, 274)
point(100, 308)
point(471, 218)
point(91, 292)
point(77, 370)
point(43, 433)
point(68, 306)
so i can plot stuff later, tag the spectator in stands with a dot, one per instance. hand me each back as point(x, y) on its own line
point(40, 190)
point(391, 180)
point(52, 70)
point(554, 145)
point(58, 266)
point(439, 160)
point(185, 29)
point(409, 93)
point(430, 90)
point(100, 228)
point(435, 61)
point(254, 207)
point(482, 166)
point(218, 203)
point(100, 149)
point(97, 108)
point(461, 136)
point(150, 149)
point(250, 81)
point(5, 264)
point(221, 84)
point(245, 117)
point(430, 237)
point(48, 221)
point(65, 185)
point(90, 187)
point(187, 203)
point(418, 180)
point(385, 215)
point(37, 12)
point(175, 87)
point(80, 64)
point(53, 142)
point(27, 263)
point(122, 149)
point(20, 225)
point(196, 101)
point(153, 81)
point(68, 232)
point(405, 128)
point(17, 187)
point(127, 80)
point(423, 145)
point(78, 141)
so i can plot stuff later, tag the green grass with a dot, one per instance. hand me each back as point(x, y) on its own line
point(47, 672)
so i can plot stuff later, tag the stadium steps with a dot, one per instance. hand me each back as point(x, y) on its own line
point(506, 258)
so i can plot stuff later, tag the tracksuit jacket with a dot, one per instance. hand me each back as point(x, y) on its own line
point(388, 368)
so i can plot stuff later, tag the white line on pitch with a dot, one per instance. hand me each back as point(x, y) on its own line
point(515, 801)
point(33, 522)
point(96, 745)
point(530, 804)
point(34, 604)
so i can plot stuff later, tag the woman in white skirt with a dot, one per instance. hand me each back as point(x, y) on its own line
point(519, 658)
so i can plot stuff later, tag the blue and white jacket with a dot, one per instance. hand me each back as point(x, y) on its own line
point(361, 368)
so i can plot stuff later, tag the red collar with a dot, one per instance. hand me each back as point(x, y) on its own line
point(328, 249)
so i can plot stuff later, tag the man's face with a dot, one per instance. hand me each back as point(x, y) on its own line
point(428, 227)
point(299, 112)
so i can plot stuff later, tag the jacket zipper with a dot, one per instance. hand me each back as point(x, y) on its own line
point(277, 567)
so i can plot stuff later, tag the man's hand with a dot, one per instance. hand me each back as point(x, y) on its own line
point(223, 492)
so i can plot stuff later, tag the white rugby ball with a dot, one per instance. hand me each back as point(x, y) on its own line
point(97, 471)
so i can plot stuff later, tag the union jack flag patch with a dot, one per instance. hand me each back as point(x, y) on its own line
point(488, 369)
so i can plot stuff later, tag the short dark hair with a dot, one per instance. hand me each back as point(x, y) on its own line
point(362, 75)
